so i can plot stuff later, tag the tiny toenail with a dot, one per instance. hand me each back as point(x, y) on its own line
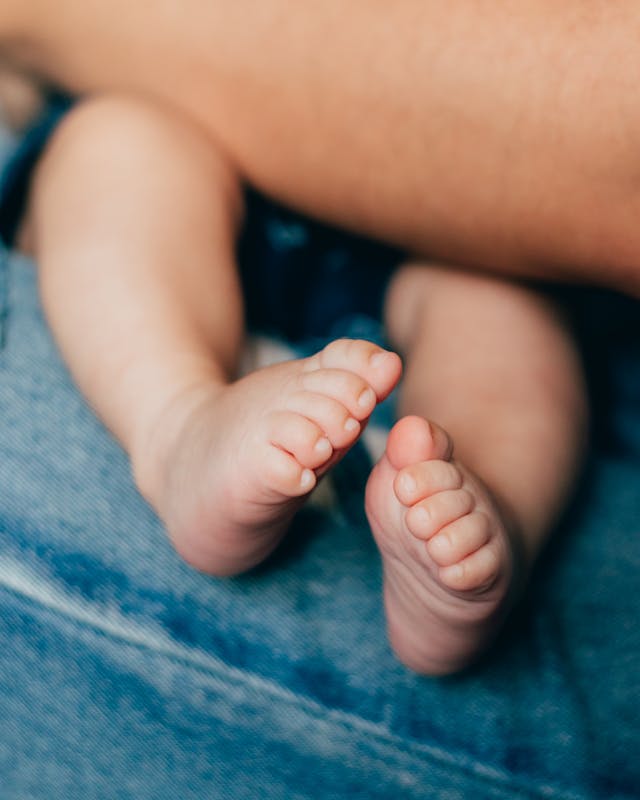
point(351, 425)
point(377, 359)
point(367, 398)
point(409, 485)
point(323, 445)
point(306, 479)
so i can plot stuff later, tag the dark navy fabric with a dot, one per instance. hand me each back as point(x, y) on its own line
point(302, 279)
point(17, 170)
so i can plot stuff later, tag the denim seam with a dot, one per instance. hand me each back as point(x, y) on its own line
point(141, 638)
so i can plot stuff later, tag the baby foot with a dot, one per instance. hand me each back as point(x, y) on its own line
point(233, 463)
point(447, 551)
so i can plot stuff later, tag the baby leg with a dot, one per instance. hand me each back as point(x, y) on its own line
point(135, 217)
point(461, 511)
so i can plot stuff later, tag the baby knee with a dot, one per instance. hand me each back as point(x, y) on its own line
point(129, 135)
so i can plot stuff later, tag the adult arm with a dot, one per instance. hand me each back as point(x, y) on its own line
point(494, 134)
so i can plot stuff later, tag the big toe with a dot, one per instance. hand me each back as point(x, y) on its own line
point(414, 439)
point(381, 369)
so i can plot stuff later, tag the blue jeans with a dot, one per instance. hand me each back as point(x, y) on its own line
point(126, 674)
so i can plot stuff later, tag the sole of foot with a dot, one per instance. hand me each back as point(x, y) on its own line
point(448, 555)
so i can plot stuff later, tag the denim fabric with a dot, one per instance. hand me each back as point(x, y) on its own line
point(125, 674)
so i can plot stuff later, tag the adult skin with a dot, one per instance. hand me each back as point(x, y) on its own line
point(500, 134)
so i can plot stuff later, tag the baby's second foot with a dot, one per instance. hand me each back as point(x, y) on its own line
point(232, 464)
point(448, 554)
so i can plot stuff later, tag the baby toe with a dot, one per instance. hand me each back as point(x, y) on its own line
point(427, 517)
point(381, 369)
point(301, 437)
point(419, 481)
point(477, 572)
point(459, 539)
point(329, 415)
point(349, 389)
point(282, 474)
